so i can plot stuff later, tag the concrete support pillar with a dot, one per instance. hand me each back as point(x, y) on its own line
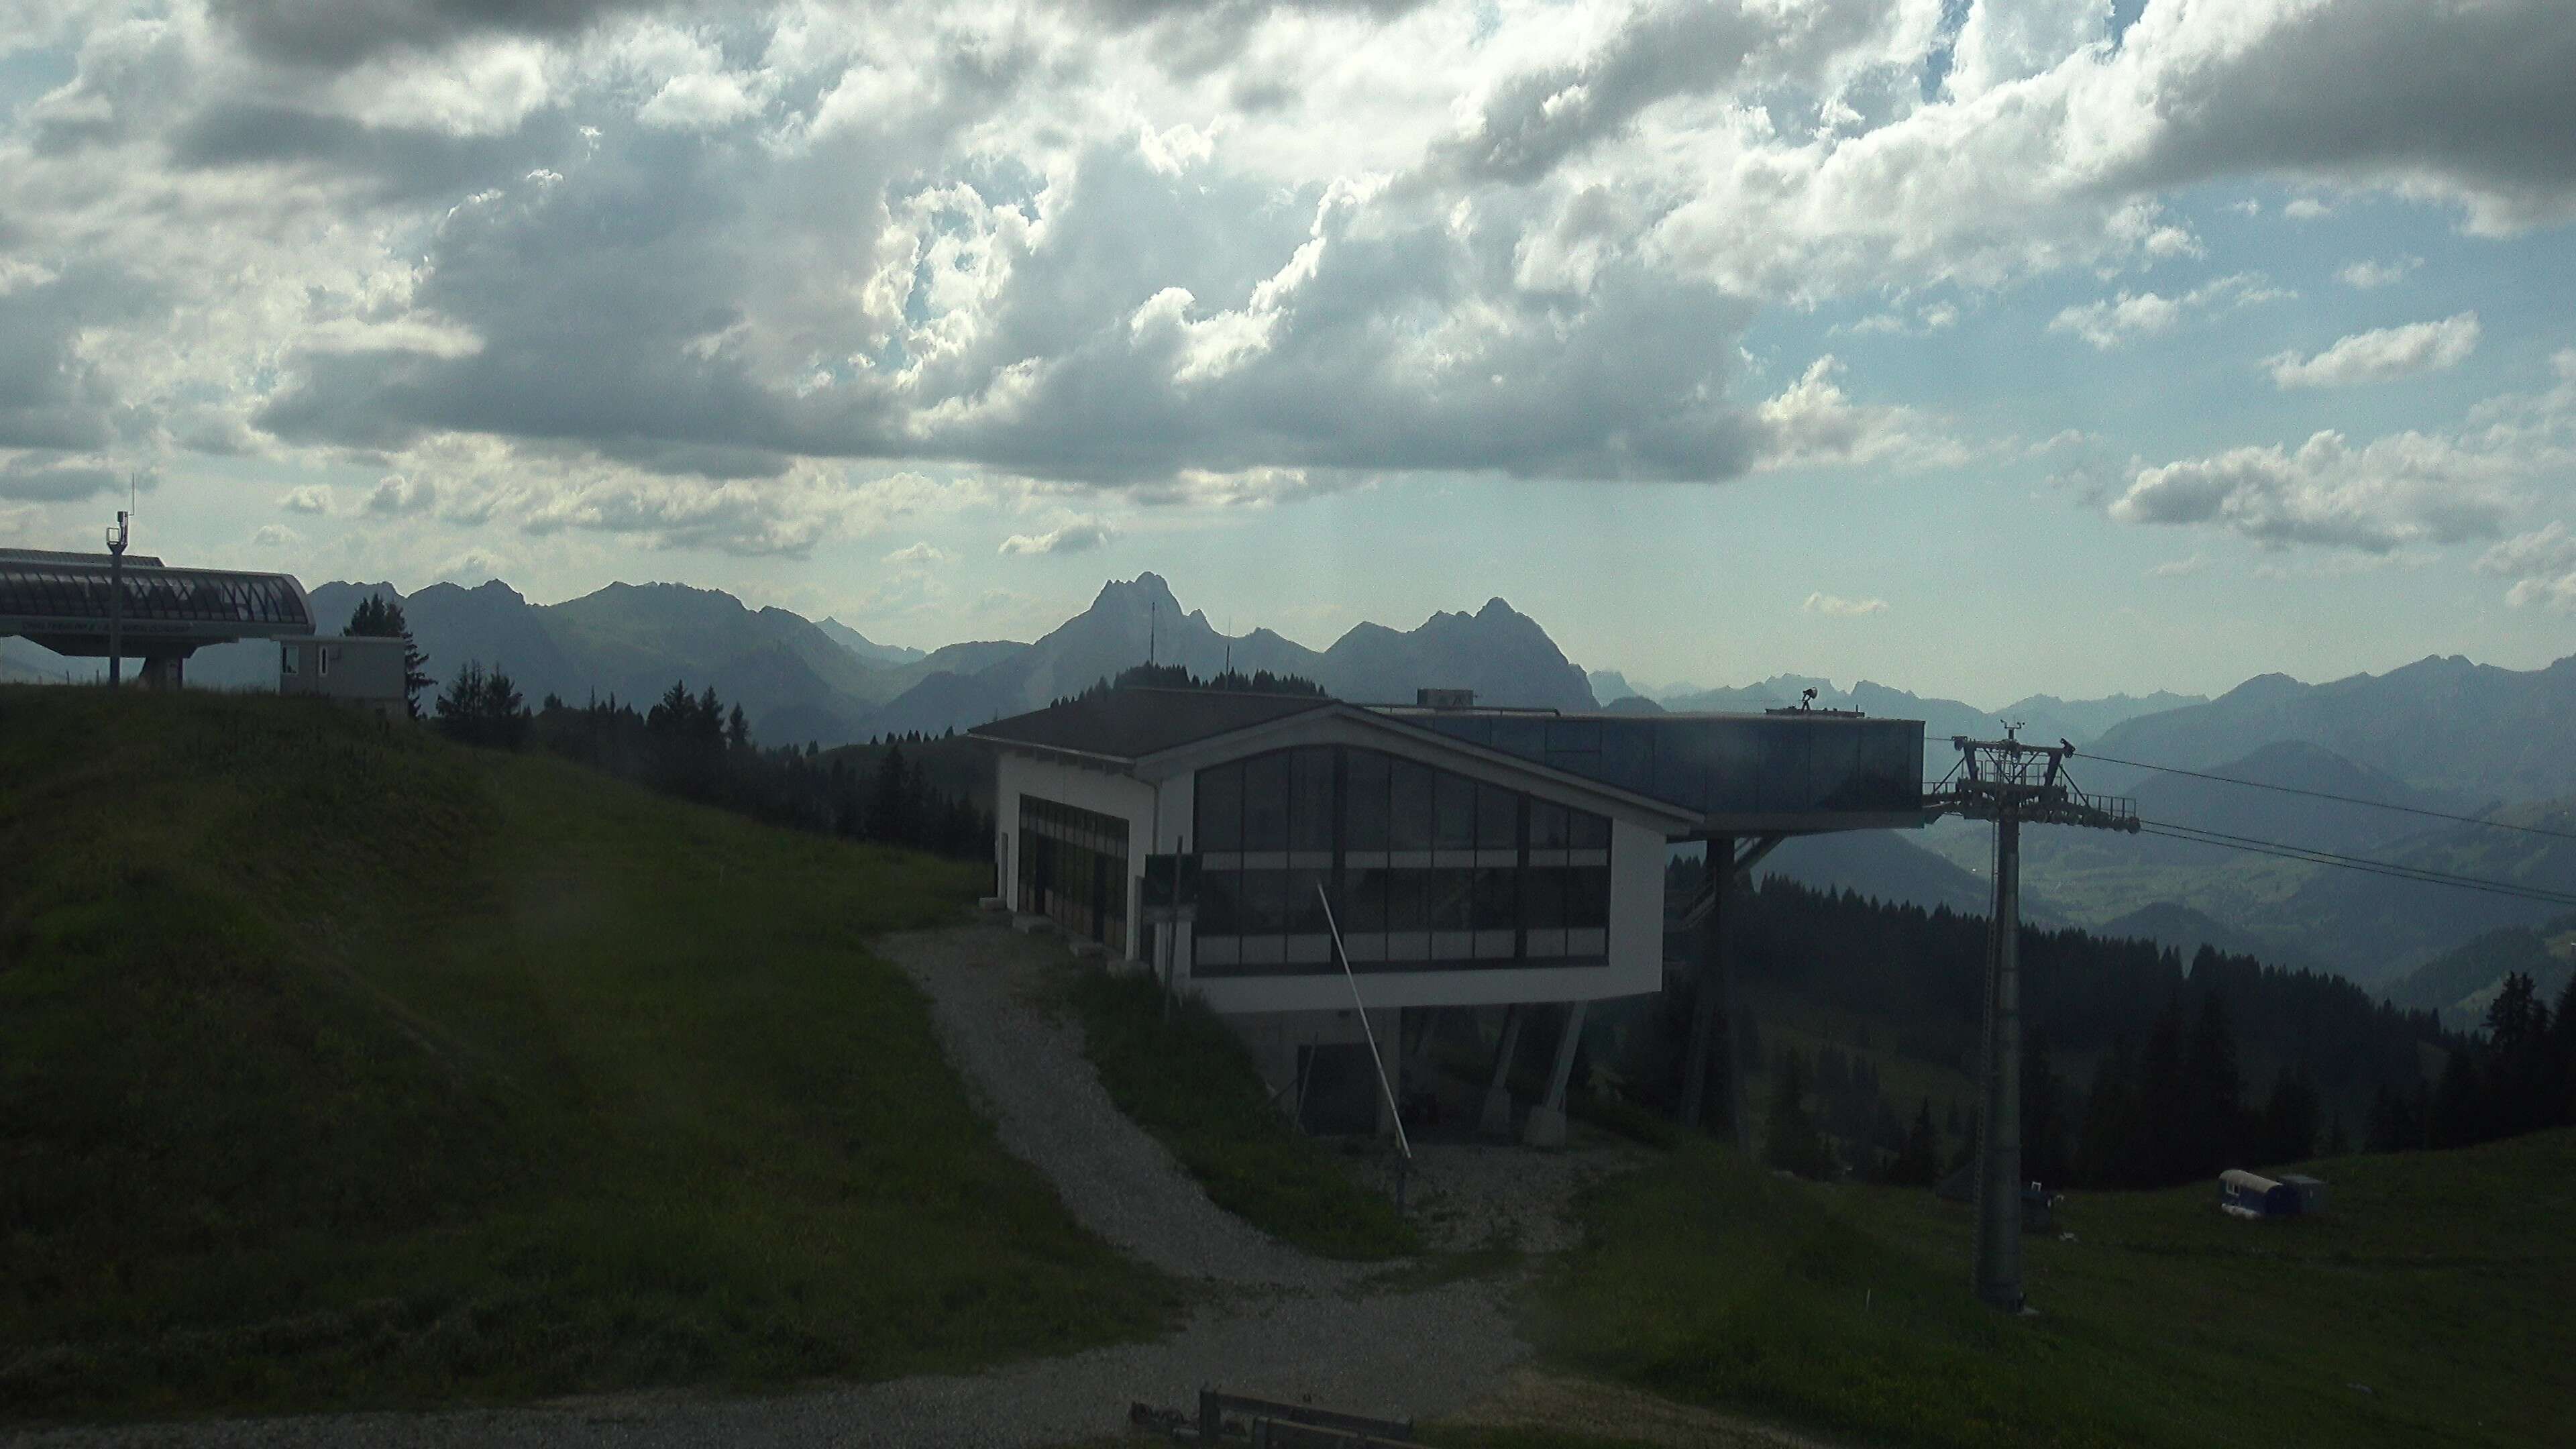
point(1496, 1119)
point(161, 671)
point(1547, 1119)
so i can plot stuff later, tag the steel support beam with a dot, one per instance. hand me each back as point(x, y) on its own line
point(1999, 1185)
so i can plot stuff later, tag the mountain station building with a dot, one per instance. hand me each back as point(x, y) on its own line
point(1467, 856)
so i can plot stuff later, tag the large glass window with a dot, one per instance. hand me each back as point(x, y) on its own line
point(1410, 805)
point(1363, 901)
point(1265, 902)
point(1498, 818)
point(1548, 825)
point(1220, 903)
point(1516, 874)
point(1453, 812)
point(1073, 868)
point(1587, 897)
point(1265, 802)
point(1364, 797)
point(1305, 904)
point(1220, 807)
point(1310, 807)
point(1497, 890)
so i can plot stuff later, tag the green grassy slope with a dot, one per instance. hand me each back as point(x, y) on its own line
point(341, 1065)
point(2430, 1307)
point(1187, 1079)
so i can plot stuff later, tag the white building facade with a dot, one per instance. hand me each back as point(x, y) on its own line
point(1457, 875)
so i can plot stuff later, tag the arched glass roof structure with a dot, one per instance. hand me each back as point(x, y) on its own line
point(60, 600)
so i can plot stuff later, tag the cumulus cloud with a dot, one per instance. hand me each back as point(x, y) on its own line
point(2542, 565)
point(1813, 421)
point(2405, 489)
point(2383, 355)
point(2366, 275)
point(919, 554)
point(311, 498)
point(51, 478)
point(395, 496)
point(1079, 536)
point(676, 273)
point(2108, 324)
point(277, 535)
point(1834, 606)
point(2390, 491)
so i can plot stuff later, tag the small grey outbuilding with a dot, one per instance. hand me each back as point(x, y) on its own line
point(366, 673)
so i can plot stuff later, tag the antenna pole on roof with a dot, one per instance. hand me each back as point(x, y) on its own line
point(116, 541)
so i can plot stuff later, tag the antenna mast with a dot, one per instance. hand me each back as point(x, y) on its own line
point(2009, 782)
point(116, 541)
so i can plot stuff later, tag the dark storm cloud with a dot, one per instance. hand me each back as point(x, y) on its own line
point(338, 34)
point(2479, 95)
point(51, 397)
point(398, 163)
point(603, 303)
point(1194, 37)
point(36, 478)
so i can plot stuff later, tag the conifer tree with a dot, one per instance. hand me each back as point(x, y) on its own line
point(1791, 1136)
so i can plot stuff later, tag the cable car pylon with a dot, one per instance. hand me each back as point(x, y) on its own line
point(2009, 783)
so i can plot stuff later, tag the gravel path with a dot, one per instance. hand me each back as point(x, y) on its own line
point(1049, 1109)
point(1284, 1325)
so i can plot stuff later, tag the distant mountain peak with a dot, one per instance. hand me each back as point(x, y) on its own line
point(1145, 589)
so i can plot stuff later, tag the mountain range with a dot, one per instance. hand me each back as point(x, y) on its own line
point(2442, 735)
point(800, 680)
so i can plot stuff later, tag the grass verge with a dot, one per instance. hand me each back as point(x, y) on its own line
point(2427, 1308)
point(340, 1066)
point(1190, 1083)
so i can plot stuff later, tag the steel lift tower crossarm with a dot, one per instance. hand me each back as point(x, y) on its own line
point(2010, 783)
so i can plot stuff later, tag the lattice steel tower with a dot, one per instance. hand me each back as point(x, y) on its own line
point(2009, 782)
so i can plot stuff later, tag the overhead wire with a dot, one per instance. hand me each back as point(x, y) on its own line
point(2341, 799)
point(2422, 875)
point(2313, 855)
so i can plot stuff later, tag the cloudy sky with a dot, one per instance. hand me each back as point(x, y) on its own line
point(1974, 346)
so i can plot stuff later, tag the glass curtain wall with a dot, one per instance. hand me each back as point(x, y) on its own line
point(1073, 869)
point(1425, 869)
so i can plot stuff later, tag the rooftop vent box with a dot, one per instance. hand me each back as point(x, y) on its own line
point(1445, 698)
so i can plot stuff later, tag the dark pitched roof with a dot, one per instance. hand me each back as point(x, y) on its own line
point(1129, 724)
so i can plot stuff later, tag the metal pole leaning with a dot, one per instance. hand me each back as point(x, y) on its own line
point(1394, 1111)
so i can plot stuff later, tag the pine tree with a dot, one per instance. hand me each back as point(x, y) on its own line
point(2456, 1117)
point(2289, 1129)
point(2106, 1154)
point(1792, 1138)
point(2160, 1153)
point(2214, 1094)
point(2521, 1078)
point(1919, 1160)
